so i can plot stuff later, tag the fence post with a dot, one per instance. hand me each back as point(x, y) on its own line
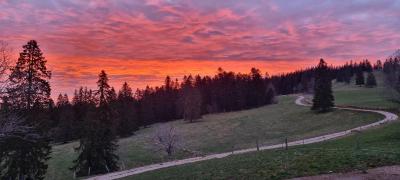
point(258, 147)
point(286, 144)
point(358, 140)
point(89, 171)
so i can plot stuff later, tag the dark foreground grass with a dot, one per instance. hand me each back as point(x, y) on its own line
point(372, 148)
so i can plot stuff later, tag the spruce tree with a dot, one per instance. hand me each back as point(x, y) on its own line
point(29, 79)
point(28, 97)
point(127, 111)
point(371, 81)
point(323, 98)
point(347, 74)
point(98, 143)
point(360, 78)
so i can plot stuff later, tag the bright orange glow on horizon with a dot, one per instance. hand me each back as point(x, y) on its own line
point(69, 75)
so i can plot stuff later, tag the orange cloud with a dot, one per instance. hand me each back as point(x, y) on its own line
point(71, 72)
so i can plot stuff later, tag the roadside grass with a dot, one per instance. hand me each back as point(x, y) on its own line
point(367, 149)
point(223, 132)
point(379, 97)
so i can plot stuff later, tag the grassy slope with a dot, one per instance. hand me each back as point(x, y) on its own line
point(224, 132)
point(378, 97)
point(371, 148)
point(376, 147)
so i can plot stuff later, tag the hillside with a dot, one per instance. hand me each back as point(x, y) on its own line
point(378, 97)
point(371, 148)
point(223, 132)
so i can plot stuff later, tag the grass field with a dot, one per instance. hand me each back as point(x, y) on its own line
point(378, 97)
point(223, 132)
point(372, 148)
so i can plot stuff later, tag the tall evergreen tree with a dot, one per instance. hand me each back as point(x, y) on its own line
point(323, 98)
point(98, 144)
point(104, 92)
point(28, 97)
point(258, 92)
point(65, 129)
point(191, 104)
point(29, 79)
point(371, 81)
point(360, 78)
point(127, 111)
point(347, 75)
point(378, 66)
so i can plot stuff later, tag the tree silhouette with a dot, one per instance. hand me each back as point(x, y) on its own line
point(371, 81)
point(360, 78)
point(127, 111)
point(323, 98)
point(28, 98)
point(29, 79)
point(98, 144)
point(191, 104)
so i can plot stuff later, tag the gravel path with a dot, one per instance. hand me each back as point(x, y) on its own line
point(301, 100)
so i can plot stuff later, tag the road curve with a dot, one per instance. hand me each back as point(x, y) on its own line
point(299, 101)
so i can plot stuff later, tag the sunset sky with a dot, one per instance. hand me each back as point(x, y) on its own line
point(142, 41)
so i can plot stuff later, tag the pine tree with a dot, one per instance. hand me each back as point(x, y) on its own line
point(191, 104)
point(378, 66)
point(270, 95)
point(28, 97)
point(29, 79)
point(62, 100)
point(65, 120)
point(371, 81)
point(98, 144)
point(258, 88)
point(104, 93)
point(360, 78)
point(323, 98)
point(127, 111)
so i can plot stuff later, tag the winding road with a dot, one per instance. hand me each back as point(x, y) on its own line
point(299, 101)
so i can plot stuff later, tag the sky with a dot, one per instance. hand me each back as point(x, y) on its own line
point(142, 41)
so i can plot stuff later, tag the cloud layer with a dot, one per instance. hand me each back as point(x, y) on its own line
point(139, 40)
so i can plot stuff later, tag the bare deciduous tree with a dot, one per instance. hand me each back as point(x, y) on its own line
point(167, 139)
point(5, 60)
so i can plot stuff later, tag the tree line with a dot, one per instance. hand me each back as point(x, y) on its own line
point(189, 99)
point(304, 80)
point(391, 68)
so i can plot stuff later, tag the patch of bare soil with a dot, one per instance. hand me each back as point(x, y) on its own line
point(381, 173)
